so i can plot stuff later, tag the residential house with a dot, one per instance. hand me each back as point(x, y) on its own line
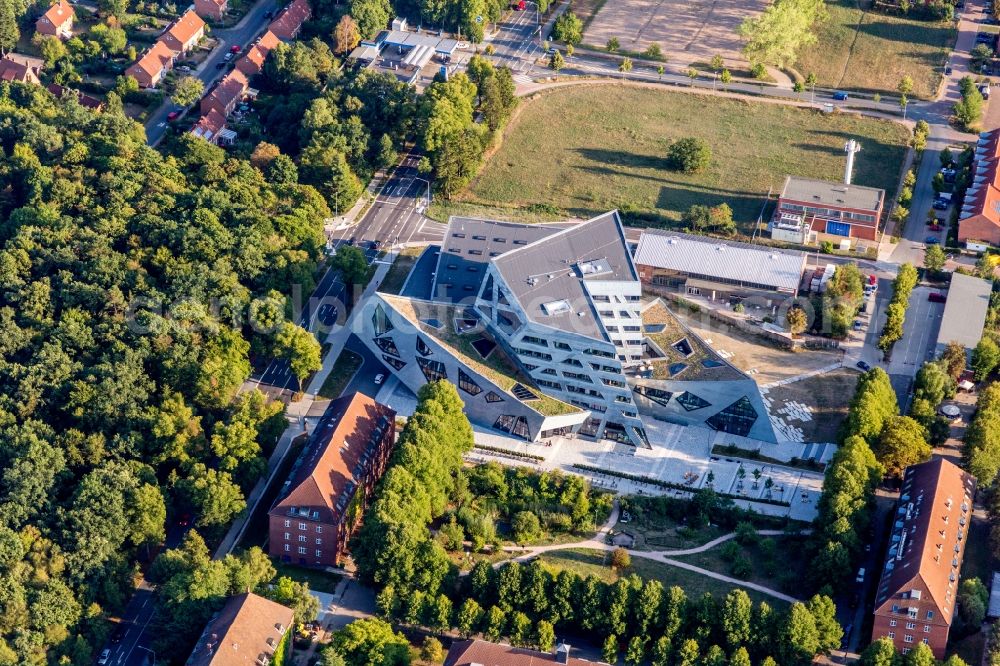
point(332, 481)
point(184, 34)
point(288, 23)
point(211, 9)
point(153, 65)
point(249, 629)
point(253, 60)
point(20, 68)
point(212, 127)
point(84, 100)
point(979, 219)
point(57, 21)
point(811, 210)
point(918, 588)
point(226, 94)
point(474, 652)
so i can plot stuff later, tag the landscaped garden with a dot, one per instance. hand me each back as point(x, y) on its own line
point(584, 150)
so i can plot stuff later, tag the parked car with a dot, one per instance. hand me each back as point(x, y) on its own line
point(840, 96)
point(940, 204)
point(857, 324)
point(936, 297)
point(235, 48)
point(379, 378)
point(105, 657)
point(932, 240)
point(183, 68)
point(228, 56)
point(220, 65)
point(518, 5)
point(864, 367)
point(935, 227)
point(860, 578)
point(947, 70)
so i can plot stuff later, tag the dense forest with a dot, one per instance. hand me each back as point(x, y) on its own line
point(132, 288)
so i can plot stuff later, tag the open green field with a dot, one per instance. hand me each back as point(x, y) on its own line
point(584, 150)
point(586, 562)
point(870, 51)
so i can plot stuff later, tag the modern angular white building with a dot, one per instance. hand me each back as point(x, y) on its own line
point(542, 329)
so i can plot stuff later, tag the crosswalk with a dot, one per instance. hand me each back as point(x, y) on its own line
point(523, 78)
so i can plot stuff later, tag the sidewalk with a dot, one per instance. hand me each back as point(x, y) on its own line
point(296, 414)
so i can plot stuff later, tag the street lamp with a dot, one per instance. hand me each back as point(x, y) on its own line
point(428, 184)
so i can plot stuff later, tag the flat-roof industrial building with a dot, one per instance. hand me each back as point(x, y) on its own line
point(713, 268)
point(964, 312)
point(811, 210)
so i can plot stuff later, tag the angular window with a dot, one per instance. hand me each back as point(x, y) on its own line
point(394, 362)
point(573, 362)
point(502, 300)
point(422, 347)
point(690, 401)
point(561, 345)
point(515, 425)
point(547, 384)
point(493, 397)
point(488, 289)
point(380, 321)
point(388, 345)
point(433, 370)
point(466, 384)
point(616, 432)
point(736, 419)
point(522, 393)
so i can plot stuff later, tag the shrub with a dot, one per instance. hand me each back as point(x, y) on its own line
point(689, 155)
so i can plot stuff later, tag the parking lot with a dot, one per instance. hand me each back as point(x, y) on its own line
point(920, 331)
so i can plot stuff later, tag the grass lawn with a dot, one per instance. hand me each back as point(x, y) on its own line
point(587, 149)
point(870, 51)
point(586, 562)
point(321, 581)
point(782, 573)
point(340, 376)
point(396, 277)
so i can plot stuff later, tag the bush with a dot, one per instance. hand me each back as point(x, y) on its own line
point(741, 567)
point(620, 559)
point(525, 526)
point(689, 155)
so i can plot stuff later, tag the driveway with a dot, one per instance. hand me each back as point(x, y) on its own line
point(242, 33)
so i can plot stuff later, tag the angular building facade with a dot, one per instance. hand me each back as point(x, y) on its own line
point(545, 332)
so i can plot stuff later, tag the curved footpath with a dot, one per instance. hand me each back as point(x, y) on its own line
point(597, 542)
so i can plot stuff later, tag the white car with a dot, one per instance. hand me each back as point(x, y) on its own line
point(105, 657)
point(379, 378)
point(228, 57)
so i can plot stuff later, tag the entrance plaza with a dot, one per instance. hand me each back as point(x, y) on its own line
point(678, 454)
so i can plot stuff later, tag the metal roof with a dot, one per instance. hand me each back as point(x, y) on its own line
point(729, 260)
point(469, 244)
point(965, 311)
point(548, 270)
point(832, 193)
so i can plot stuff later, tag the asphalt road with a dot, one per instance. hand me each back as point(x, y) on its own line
point(243, 33)
point(516, 41)
point(371, 367)
point(396, 216)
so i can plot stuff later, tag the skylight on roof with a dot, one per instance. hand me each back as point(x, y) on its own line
point(592, 268)
point(556, 307)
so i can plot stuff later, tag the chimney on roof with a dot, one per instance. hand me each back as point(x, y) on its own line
point(851, 147)
point(562, 653)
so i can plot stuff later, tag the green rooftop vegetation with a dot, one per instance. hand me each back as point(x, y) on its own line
point(496, 367)
point(668, 332)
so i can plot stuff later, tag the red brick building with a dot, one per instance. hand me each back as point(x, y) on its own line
point(915, 602)
point(332, 482)
point(288, 23)
point(830, 210)
point(149, 70)
point(183, 35)
point(253, 60)
point(226, 94)
point(979, 219)
point(57, 21)
point(211, 9)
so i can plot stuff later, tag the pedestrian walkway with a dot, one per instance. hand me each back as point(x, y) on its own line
point(804, 375)
point(598, 542)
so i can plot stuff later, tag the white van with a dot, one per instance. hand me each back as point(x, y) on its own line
point(861, 575)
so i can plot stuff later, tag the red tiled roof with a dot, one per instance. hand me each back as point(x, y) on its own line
point(209, 125)
point(153, 60)
point(328, 472)
point(290, 19)
point(58, 14)
point(239, 634)
point(982, 199)
point(227, 92)
point(180, 32)
point(253, 60)
point(928, 537)
point(84, 100)
point(470, 652)
point(23, 69)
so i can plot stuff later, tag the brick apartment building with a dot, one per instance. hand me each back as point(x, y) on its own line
point(915, 601)
point(819, 210)
point(332, 481)
point(979, 219)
